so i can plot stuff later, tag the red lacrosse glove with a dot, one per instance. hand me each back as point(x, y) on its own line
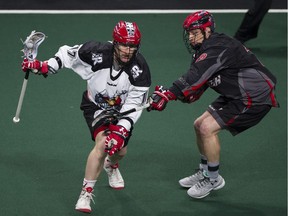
point(160, 98)
point(36, 66)
point(115, 140)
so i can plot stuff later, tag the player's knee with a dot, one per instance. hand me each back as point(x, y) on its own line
point(197, 124)
point(100, 143)
point(100, 137)
point(204, 128)
point(122, 152)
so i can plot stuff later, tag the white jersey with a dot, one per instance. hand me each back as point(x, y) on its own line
point(107, 88)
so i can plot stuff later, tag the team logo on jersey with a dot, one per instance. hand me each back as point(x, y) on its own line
point(215, 81)
point(201, 57)
point(106, 102)
point(97, 58)
point(136, 71)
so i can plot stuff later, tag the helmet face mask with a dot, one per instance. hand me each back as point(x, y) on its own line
point(126, 34)
point(198, 20)
point(196, 45)
point(124, 53)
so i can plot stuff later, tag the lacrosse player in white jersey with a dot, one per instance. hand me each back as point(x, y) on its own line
point(118, 79)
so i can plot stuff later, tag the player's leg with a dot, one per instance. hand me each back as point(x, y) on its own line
point(95, 160)
point(203, 166)
point(197, 124)
point(207, 134)
point(191, 180)
point(93, 169)
point(207, 130)
point(250, 24)
point(111, 166)
point(232, 115)
point(96, 157)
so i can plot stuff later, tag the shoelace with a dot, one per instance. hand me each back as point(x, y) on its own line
point(115, 174)
point(113, 170)
point(203, 183)
point(89, 196)
point(198, 172)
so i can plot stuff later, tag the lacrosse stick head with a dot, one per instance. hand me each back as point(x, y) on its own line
point(31, 44)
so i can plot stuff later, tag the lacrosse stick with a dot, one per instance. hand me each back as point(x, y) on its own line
point(30, 52)
point(113, 115)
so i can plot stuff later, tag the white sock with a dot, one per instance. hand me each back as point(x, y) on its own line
point(89, 183)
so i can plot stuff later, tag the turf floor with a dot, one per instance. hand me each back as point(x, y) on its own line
point(42, 158)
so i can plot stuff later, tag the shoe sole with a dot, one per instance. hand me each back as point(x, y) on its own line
point(220, 186)
point(185, 186)
point(117, 188)
point(120, 187)
point(216, 188)
point(84, 210)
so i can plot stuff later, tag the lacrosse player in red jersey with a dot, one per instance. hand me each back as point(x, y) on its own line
point(246, 91)
point(118, 79)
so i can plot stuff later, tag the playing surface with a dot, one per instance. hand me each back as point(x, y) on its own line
point(42, 158)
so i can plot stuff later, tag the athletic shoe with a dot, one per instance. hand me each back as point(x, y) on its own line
point(202, 188)
point(115, 178)
point(189, 181)
point(83, 203)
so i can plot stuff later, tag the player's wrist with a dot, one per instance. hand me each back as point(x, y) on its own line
point(170, 95)
point(125, 123)
point(44, 67)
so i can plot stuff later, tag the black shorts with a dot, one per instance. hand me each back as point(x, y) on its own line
point(235, 116)
point(89, 108)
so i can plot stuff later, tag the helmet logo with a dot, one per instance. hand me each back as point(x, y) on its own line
point(130, 29)
point(202, 13)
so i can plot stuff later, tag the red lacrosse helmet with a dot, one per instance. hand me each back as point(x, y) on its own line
point(127, 33)
point(199, 20)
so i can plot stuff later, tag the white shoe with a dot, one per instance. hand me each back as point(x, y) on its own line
point(114, 176)
point(83, 203)
point(202, 188)
point(189, 181)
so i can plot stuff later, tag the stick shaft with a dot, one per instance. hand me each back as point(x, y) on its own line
point(119, 115)
point(22, 94)
point(135, 109)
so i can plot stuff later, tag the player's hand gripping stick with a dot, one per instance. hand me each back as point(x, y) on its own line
point(30, 50)
point(116, 138)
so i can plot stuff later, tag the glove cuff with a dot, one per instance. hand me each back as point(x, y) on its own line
point(44, 67)
point(166, 93)
point(119, 130)
point(170, 95)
